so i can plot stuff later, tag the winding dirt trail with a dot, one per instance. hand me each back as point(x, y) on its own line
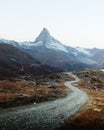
point(44, 116)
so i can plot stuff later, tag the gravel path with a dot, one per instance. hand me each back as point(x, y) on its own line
point(44, 116)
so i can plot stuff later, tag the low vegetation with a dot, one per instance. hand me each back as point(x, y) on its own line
point(14, 92)
point(91, 115)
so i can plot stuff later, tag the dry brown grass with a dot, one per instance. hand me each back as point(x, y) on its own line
point(91, 115)
point(14, 93)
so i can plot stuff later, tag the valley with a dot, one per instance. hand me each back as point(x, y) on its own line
point(46, 85)
point(51, 64)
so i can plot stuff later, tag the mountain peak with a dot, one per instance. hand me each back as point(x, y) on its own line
point(43, 36)
point(45, 30)
point(46, 40)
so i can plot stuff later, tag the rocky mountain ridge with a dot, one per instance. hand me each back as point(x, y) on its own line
point(50, 51)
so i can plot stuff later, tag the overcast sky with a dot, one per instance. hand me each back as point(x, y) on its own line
point(73, 22)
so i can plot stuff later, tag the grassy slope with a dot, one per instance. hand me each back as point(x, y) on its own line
point(91, 116)
point(19, 92)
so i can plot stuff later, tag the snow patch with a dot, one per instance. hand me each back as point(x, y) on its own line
point(12, 42)
point(53, 44)
point(75, 53)
point(26, 43)
point(83, 50)
point(40, 43)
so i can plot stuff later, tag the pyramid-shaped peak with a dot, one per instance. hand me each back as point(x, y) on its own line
point(45, 30)
point(46, 40)
point(43, 36)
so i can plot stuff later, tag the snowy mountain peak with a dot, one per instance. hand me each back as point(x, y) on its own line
point(45, 30)
point(45, 39)
point(43, 36)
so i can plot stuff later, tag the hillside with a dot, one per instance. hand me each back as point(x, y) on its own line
point(91, 115)
point(15, 63)
point(19, 92)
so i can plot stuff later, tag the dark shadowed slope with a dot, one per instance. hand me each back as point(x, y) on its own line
point(14, 62)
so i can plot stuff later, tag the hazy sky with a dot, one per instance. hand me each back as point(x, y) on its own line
point(73, 22)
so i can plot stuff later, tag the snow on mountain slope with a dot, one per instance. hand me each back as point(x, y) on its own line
point(83, 50)
point(12, 42)
point(56, 45)
point(17, 44)
point(26, 45)
point(46, 44)
point(45, 39)
point(82, 54)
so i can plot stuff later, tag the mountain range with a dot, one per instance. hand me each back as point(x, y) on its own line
point(47, 51)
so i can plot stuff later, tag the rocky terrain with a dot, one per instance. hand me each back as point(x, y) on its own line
point(91, 115)
point(49, 51)
point(46, 115)
point(17, 92)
